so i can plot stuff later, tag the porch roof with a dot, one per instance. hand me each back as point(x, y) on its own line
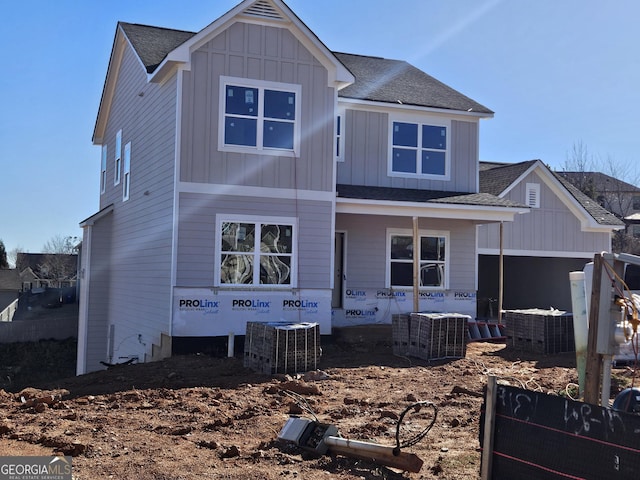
point(480, 207)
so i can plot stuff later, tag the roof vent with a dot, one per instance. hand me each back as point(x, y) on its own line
point(264, 9)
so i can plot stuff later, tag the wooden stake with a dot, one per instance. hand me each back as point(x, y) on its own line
point(489, 424)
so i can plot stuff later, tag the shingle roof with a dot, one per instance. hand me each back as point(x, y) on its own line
point(398, 82)
point(422, 196)
point(377, 79)
point(601, 182)
point(495, 178)
point(10, 280)
point(153, 44)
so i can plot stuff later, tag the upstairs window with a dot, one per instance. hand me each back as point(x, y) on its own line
point(419, 149)
point(127, 172)
point(636, 202)
point(340, 138)
point(118, 158)
point(432, 254)
point(259, 117)
point(256, 252)
point(103, 170)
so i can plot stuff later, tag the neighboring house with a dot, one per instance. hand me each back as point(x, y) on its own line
point(248, 173)
point(617, 196)
point(562, 232)
point(10, 288)
point(42, 270)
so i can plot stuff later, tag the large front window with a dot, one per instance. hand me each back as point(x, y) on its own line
point(432, 255)
point(259, 116)
point(256, 252)
point(418, 149)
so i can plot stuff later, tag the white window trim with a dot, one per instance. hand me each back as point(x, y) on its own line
point(293, 221)
point(103, 170)
point(117, 159)
point(420, 120)
point(532, 193)
point(261, 85)
point(338, 147)
point(126, 183)
point(421, 233)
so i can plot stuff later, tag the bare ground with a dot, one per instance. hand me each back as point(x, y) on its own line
point(194, 417)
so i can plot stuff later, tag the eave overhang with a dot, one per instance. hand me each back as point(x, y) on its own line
point(474, 213)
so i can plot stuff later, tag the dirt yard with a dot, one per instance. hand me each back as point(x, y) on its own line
point(195, 417)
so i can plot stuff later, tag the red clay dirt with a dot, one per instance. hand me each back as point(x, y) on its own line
point(195, 417)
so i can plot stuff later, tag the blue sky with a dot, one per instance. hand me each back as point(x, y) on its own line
point(556, 73)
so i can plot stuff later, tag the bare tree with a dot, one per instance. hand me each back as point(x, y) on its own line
point(12, 256)
point(59, 264)
point(580, 161)
point(60, 244)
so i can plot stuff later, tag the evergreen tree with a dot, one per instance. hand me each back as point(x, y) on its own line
point(4, 263)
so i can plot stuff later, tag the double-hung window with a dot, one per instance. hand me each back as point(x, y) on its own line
point(259, 116)
point(419, 149)
point(256, 251)
point(103, 170)
point(432, 254)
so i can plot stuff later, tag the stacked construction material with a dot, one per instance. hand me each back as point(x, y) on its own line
point(282, 347)
point(430, 336)
point(539, 331)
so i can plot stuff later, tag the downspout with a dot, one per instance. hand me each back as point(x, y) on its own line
point(501, 274)
point(83, 308)
point(416, 267)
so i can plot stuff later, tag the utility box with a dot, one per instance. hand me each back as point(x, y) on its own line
point(282, 347)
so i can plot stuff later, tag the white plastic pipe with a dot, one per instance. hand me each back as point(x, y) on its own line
point(580, 324)
point(231, 345)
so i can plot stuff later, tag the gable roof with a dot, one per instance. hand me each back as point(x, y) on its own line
point(38, 262)
point(152, 44)
point(499, 178)
point(600, 181)
point(398, 82)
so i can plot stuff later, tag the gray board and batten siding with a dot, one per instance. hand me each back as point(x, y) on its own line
point(551, 228)
point(366, 156)
point(367, 247)
point(197, 237)
point(262, 53)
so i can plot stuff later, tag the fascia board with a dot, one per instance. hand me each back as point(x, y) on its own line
point(96, 216)
point(384, 106)
point(338, 74)
point(431, 210)
point(115, 61)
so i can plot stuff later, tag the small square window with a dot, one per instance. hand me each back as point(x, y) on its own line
point(242, 101)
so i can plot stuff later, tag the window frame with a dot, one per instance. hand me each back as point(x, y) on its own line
point(257, 253)
point(261, 86)
point(103, 169)
point(117, 159)
point(126, 181)
point(420, 122)
point(446, 263)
